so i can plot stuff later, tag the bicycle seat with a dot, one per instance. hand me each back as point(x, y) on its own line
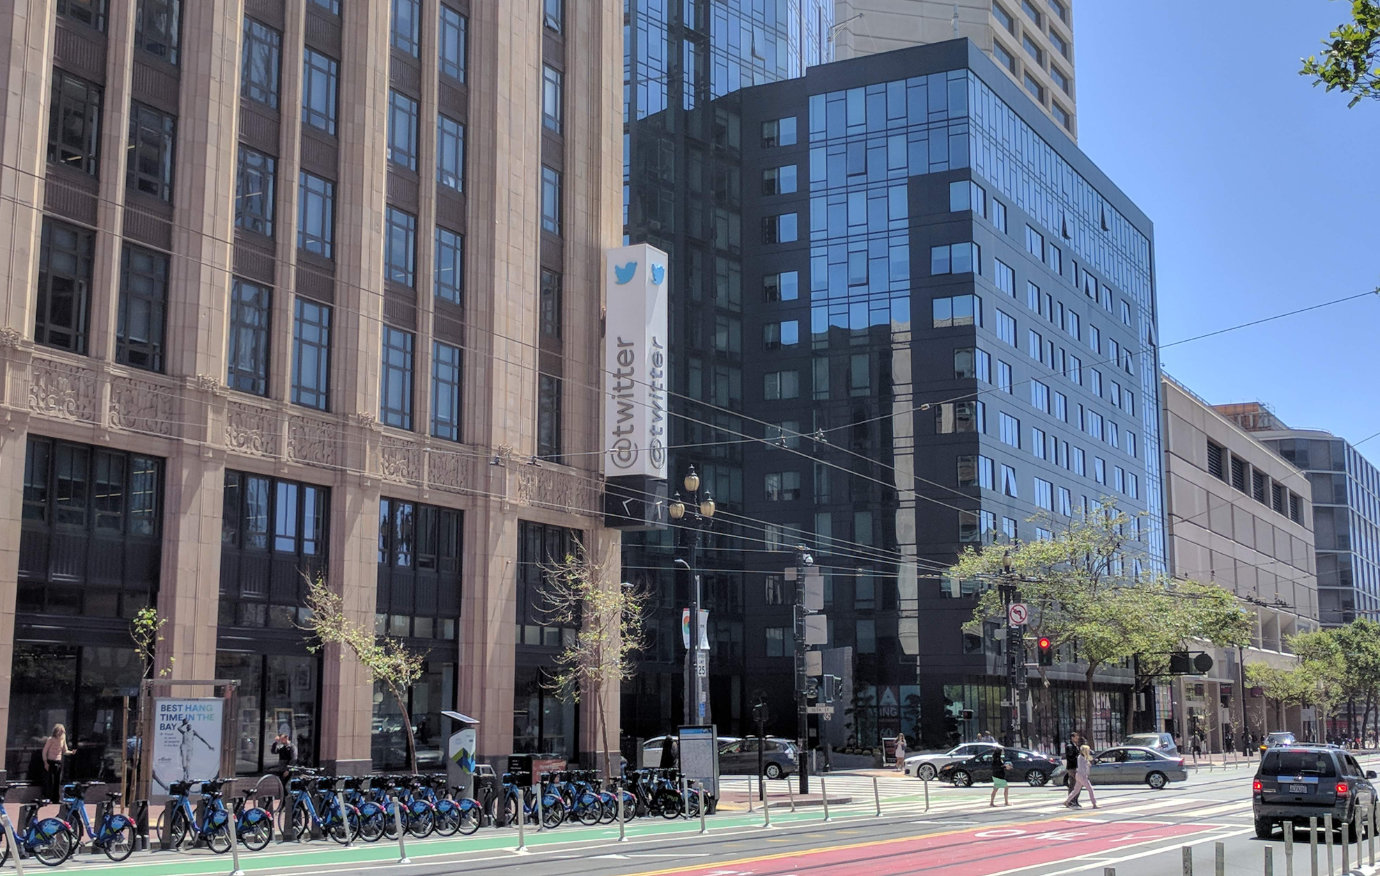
point(113, 796)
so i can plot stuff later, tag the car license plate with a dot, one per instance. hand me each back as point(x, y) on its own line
point(1298, 789)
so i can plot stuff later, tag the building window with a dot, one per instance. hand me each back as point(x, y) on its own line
point(953, 417)
point(402, 130)
point(1004, 57)
point(776, 335)
point(784, 286)
point(1065, 506)
point(254, 191)
point(1009, 430)
point(1080, 465)
point(445, 391)
point(781, 486)
point(64, 286)
point(776, 641)
point(87, 12)
point(777, 385)
point(74, 123)
point(249, 322)
point(779, 180)
point(550, 200)
point(1054, 257)
point(1033, 86)
point(1039, 443)
point(1061, 115)
point(779, 229)
point(1295, 508)
point(1214, 461)
point(143, 308)
point(320, 84)
point(1034, 344)
point(1238, 474)
point(1258, 481)
point(552, 14)
point(1006, 327)
point(156, 28)
point(964, 194)
point(449, 274)
point(259, 75)
point(999, 215)
point(1060, 44)
point(551, 98)
point(959, 310)
point(1044, 494)
point(1060, 10)
point(1030, 10)
point(955, 258)
point(1059, 78)
point(549, 315)
point(316, 215)
point(548, 416)
point(450, 153)
point(450, 43)
point(149, 168)
point(1004, 18)
point(778, 132)
point(331, 6)
point(1061, 407)
point(1039, 396)
point(1004, 382)
point(1100, 470)
point(407, 16)
point(400, 247)
point(1033, 50)
point(1009, 487)
point(395, 390)
point(1004, 277)
point(311, 354)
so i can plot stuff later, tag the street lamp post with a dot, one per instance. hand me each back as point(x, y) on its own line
point(696, 518)
point(1014, 642)
point(802, 560)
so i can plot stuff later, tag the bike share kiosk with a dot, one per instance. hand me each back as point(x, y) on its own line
point(460, 753)
point(699, 761)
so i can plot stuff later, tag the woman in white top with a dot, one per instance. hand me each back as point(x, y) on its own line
point(900, 751)
point(1082, 779)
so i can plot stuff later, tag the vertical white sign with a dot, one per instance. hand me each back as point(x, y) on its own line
point(635, 362)
point(186, 740)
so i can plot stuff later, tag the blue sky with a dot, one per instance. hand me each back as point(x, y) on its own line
point(1262, 190)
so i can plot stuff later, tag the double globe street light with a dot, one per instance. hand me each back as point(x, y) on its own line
point(695, 518)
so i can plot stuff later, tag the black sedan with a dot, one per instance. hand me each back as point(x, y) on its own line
point(1022, 766)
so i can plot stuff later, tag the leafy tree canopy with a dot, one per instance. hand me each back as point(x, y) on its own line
point(1348, 61)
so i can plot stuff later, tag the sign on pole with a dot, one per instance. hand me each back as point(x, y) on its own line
point(1017, 614)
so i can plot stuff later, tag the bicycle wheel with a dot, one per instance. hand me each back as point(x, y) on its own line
point(692, 804)
point(4, 847)
point(340, 829)
point(421, 820)
point(447, 818)
point(117, 839)
point(589, 809)
point(255, 829)
point(469, 819)
point(52, 842)
point(669, 803)
point(177, 829)
point(390, 819)
point(372, 821)
point(301, 821)
point(552, 812)
point(220, 837)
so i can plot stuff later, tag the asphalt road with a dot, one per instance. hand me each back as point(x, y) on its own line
point(1135, 831)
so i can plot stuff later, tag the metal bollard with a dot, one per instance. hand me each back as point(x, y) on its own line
point(1327, 831)
point(1346, 848)
point(14, 845)
point(824, 796)
point(790, 792)
point(1108, 871)
point(1220, 859)
point(699, 789)
point(344, 820)
point(684, 796)
point(1288, 848)
point(766, 814)
point(1313, 845)
point(541, 820)
point(759, 790)
point(927, 795)
point(1370, 834)
point(1269, 861)
point(1188, 861)
point(622, 817)
point(402, 834)
point(877, 796)
point(234, 847)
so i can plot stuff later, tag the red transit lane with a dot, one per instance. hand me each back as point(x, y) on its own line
point(976, 852)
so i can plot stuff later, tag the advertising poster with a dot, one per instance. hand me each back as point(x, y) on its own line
point(186, 740)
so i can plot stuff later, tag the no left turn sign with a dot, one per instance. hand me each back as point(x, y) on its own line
point(1017, 614)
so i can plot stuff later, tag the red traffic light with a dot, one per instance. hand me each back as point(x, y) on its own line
point(1045, 651)
point(1044, 643)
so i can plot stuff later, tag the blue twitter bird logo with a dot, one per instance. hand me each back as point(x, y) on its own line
point(623, 274)
point(658, 274)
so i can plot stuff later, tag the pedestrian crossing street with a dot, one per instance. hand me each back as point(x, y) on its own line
point(906, 796)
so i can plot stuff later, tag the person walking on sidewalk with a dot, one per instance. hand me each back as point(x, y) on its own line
point(1071, 759)
point(901, 751)
point(999, 783)
point(1082, 779)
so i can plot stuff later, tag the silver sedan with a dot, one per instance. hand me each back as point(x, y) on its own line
point(1133, 765)
point(926, 764)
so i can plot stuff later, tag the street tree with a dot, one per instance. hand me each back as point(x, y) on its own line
point(1348, 62)
point(146, 631)
point(1348, 659)
point(1083, 590)
point(1301, 685)
point(605, 622)
point(384, 658)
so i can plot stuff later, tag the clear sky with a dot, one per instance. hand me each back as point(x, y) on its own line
point(1262, 190)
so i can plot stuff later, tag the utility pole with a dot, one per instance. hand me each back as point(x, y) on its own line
point(1015, 652)
point(803, 560)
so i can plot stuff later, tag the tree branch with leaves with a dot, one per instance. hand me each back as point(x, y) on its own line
point(1348, 62)
point(605, 624)
point(384, 658)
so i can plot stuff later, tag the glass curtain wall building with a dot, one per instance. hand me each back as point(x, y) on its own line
point(684, 62)
point(950, 339)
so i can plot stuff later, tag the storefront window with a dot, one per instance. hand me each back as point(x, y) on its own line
point(541, 722)
point(432, 693)
point(277, 694)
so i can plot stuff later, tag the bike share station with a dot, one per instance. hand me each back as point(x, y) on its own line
point(699, 761)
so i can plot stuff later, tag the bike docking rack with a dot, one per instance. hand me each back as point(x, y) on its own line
point(13, 839)
point(139, 814)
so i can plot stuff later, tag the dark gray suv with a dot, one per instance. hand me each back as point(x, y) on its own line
point(1295, 783)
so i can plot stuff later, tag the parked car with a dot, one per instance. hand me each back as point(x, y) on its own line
point(1277, 737)
point(1161, 742)
point(1296, 782)
point(927, 764)
point(1132, 765)
point(779, 756)
point(651, 748)
point(1024, 766)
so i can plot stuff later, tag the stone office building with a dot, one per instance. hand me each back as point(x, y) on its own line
point(299, 287)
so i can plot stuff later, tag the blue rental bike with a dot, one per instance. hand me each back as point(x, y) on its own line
point(115, 833)
point(179, 818)
point(334, 817)
point(50, 840)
